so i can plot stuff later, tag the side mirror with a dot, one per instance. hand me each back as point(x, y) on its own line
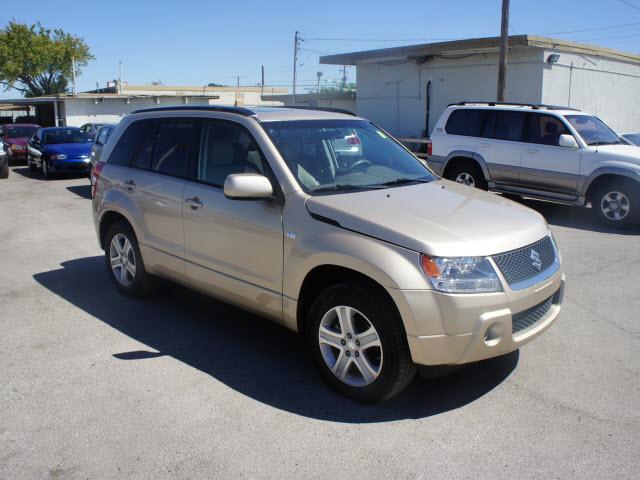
point(247, 186)
point(567, 141)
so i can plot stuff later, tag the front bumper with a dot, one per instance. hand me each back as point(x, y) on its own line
point(448, 329)
point(69, 166)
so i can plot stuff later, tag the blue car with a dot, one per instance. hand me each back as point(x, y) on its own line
point(59, 150)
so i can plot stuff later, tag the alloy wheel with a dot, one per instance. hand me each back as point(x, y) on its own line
point(615, 205)
point(466, 179)
point(122, 259)
point(350, 346)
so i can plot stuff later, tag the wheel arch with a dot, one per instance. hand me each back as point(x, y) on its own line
point(323, 276)
point(602, 175)
point(466, 156)
point(107, 220)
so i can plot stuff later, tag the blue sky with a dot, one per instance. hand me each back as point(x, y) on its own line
point(193, 42)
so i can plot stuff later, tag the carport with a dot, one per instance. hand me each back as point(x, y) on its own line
point(47, 110)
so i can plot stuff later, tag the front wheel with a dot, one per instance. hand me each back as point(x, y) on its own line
point(359, 343)
point(4, 170)
point(617, 204)
point(46, 174)
point(30, 164)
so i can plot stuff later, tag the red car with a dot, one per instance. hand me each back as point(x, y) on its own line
point(16, 136)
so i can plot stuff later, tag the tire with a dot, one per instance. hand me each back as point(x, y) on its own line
point(387, 354)
point(132, 285)
point(467, 173)
point(617, 204)
point(32, 167)
point(46, 174)
point(4, 170)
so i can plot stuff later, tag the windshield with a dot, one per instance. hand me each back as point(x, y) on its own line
point(633, 138)
point(66, 135)
point(331, 155)
point(593, 130)
point(19, 132)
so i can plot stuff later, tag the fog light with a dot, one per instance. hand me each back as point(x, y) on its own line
point(493, 334)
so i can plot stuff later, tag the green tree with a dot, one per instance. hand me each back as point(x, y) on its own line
point(37, 61)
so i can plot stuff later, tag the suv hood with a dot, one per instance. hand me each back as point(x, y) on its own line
point(628, 153)
point(439, 218)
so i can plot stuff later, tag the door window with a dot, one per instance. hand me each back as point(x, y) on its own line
point(544, 129)
point(509, 125)
point(176, 141)
point(228, 148)
point(102, 137)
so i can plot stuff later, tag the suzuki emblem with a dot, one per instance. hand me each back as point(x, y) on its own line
point(535, 260)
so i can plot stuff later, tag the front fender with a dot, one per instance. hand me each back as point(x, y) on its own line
point(620, 168)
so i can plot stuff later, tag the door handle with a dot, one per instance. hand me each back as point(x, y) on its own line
point(193, 202)
point(532, 151)
point(485, 145)
point(130, 185)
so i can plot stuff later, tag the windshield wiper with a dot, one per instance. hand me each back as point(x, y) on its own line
point(403, 181)
point(341, 187)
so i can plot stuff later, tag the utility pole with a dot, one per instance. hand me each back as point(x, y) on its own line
point(120, 76)
point(262, 81)
point(319, 74)
point(504, 52)
point(73, 75)
point(237, 80)
point(296, 46)
point(344, 77)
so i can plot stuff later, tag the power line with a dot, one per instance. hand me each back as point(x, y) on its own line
point(593, 29)
point(629, 4)
point(608, 38)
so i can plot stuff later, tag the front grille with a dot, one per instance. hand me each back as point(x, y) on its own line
point(522, 264)
point(533, 315)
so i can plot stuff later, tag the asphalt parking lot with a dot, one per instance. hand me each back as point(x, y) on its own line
point(95, 385)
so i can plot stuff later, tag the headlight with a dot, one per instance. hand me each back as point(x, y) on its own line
point(461, 274)
point(58, 157)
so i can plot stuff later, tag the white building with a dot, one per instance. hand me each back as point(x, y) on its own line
point(404, 89)
point(110, 104)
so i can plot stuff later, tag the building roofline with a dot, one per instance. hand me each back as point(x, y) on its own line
point(475, 45)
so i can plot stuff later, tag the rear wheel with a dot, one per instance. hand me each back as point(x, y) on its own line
point(469, 174)
point(4, 170)
point(617, 204)
point(359, 343)
point(45, 169)
point(124, 261)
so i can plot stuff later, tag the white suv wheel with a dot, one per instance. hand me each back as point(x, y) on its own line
point(615, 205)
point(466, 179)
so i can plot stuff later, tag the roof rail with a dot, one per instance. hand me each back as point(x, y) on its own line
point(533, 106)
point(214, 108)
point(319, 109)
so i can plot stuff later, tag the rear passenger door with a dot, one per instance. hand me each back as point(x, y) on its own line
point(233, 247)
point(501, 145)
point(155, 183)
point(545, 165)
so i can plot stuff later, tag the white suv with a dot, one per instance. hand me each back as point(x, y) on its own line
point(540, 151)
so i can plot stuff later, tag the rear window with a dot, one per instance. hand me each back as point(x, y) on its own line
point(467, 122)
point(128, 143)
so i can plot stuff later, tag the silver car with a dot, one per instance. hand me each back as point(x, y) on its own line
point(380, 265)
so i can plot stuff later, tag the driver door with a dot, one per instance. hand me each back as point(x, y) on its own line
point(233, 248)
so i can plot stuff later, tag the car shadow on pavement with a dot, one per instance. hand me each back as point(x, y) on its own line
point(37, 174)
point(83, 191)
point(253, 356)
point(573, 217)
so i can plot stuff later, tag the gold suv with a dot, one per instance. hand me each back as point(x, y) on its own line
point(322, 222)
